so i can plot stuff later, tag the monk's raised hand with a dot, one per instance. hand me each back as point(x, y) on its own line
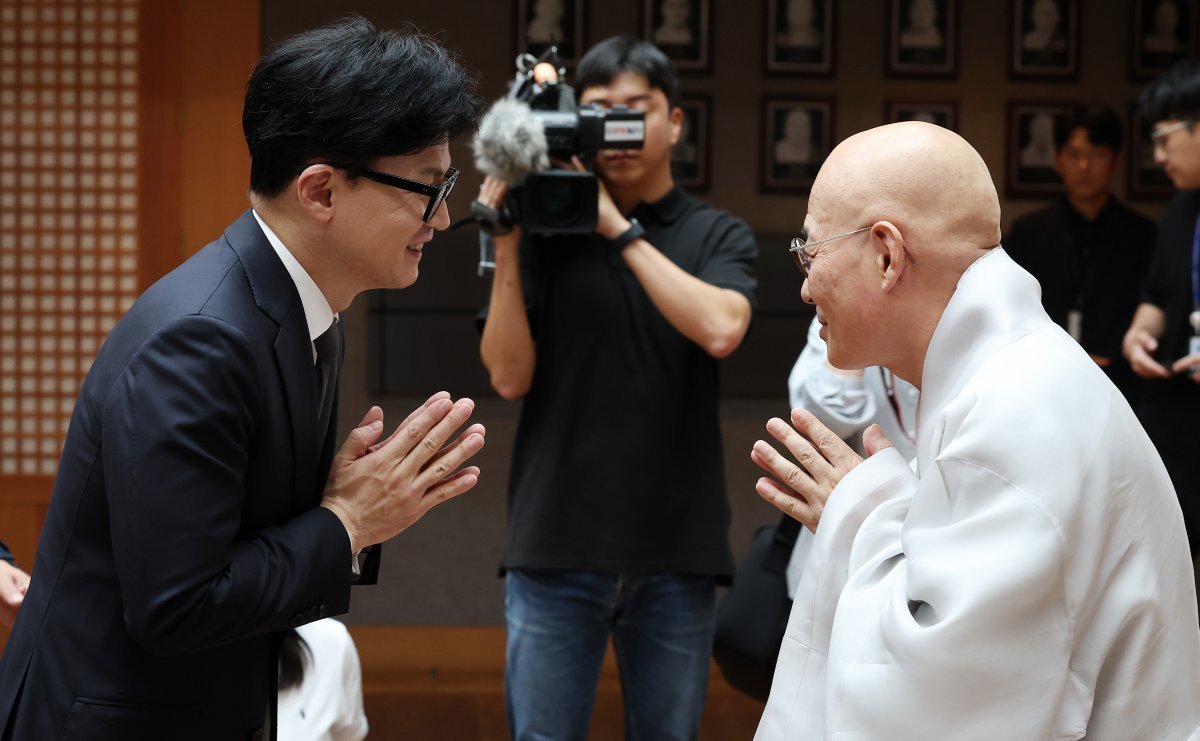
point(802, 483)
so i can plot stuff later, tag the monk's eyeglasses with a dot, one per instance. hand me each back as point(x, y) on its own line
point(800, 246)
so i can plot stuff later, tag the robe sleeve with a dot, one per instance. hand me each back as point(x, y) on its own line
point(931, 609)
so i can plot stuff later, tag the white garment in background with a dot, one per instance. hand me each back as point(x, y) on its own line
point(1032, 579)
point(847, 405)
point(328, 705)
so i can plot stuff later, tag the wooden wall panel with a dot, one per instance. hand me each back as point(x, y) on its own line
point(120, 154)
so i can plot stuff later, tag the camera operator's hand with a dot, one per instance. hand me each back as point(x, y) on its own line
point(492, 192)
point(610, 222)
point(488, 208)
point(491, 195)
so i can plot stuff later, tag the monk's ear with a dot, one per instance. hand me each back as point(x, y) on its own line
point(314, 190)
point(891, 258)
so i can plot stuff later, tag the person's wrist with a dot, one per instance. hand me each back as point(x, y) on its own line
point(344, 518)
point(507, 243)
point(610, 229)
point(631, 234)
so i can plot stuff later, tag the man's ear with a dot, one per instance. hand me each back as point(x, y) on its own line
point(891, 256)
point(1059, 163)
point(314, 191)
point(676, 119)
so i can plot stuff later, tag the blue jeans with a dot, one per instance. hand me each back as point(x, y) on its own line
point(558, 627)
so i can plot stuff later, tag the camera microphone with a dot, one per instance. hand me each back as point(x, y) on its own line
point(511, 143)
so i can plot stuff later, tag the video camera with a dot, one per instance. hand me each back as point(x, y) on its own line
point(539, 122)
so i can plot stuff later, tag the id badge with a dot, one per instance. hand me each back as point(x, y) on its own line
point(1075, 324)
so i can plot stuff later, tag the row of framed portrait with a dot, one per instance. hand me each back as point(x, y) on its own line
point(922, 35)
point(797, 134)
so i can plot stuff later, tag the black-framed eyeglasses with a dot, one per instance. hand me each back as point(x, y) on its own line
point(800, 245)
point(437, 193)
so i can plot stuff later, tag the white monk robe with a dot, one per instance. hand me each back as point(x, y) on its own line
point(1032, 579)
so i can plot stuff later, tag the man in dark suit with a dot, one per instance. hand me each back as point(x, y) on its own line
point(1089, 251)
point(199, 509)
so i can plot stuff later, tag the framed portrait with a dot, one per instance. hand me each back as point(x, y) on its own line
point(922, 38)
point(797, 136)
point(944, 113)
point(1164, 31)
point(1147, 179)
point(799, 37)
point(690, 155)
point(1044, 39)
point(682, 29)
point(542, 23)
point(1031, 149)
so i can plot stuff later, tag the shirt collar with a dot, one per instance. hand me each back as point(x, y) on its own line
point(1105, 211)
point(317, 311)
point(665, 210)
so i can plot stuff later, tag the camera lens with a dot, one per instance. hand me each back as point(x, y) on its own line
point(558, 201)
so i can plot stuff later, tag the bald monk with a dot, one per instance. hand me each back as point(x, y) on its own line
point(1028, 576)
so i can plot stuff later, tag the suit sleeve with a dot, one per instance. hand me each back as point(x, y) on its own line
point(947, 626)
point(178, 436)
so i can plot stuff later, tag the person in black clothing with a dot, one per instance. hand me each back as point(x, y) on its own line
point(618, 522)
point(1163, 341)
point(1089, 251)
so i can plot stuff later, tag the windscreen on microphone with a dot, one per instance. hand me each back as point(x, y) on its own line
point(511, 142)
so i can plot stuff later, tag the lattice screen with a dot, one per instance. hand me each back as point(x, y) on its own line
point(68, 209)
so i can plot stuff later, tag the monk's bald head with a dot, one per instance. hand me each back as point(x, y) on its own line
point(925, 209)
point(925, 179)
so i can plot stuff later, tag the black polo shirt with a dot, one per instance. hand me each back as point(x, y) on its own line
point(1094, 265)
point(617, 464)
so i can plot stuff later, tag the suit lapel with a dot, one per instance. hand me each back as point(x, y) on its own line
point(275, 293)
point(293, 352)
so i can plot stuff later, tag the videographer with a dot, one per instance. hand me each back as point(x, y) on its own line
point(618, 521)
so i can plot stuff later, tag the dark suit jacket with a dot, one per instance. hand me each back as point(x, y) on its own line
point(183, 536)
point(1096, 266)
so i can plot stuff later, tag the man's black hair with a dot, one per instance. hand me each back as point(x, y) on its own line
point(1173, 96)
point(1102, 124)
point(351, 93)
point(611, 57)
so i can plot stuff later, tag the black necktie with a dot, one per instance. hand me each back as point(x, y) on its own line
point(327, 356)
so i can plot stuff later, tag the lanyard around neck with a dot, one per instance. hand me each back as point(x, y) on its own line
point(889, 386)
